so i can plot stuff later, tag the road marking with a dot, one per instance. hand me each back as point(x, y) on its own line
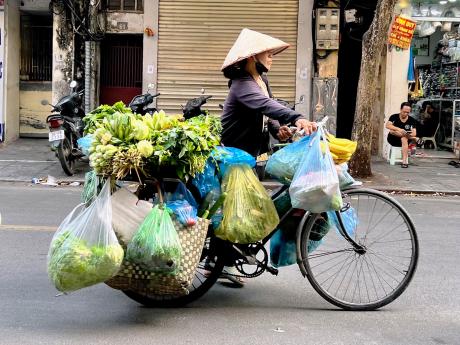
point(25, 161)
point(14, 227)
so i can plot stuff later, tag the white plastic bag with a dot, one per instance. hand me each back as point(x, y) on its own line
point(84, 250)
point(315, 186)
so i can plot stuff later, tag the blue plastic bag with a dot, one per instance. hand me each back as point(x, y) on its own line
point(207, 180)
point(283, 248)
point(84, 143)
point(283, 164)
point(185, 213)
point(349, 219)
point(227, 156)
point(183, 205)
point(315, 186)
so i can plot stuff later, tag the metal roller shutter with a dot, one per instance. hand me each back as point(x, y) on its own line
point(196, 35)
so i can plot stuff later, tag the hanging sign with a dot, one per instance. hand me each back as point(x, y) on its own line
point(401, 32)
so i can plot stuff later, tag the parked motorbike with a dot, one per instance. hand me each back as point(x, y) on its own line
point(66, 127)
point(193, 106)
point(140, 103)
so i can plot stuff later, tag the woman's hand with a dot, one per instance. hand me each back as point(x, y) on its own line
point(284, 133)
point(307, 126)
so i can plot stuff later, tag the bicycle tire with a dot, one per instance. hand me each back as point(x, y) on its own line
point(198, 288)
point(309, 269)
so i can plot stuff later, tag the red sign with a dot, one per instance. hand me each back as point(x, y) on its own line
point(401, 32)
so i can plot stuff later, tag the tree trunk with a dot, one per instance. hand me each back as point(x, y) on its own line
point(374, 41)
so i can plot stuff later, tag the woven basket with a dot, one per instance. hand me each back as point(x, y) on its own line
point(132, 277)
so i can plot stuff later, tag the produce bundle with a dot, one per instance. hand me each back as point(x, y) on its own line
point(85, 250)
point(124, 142)
point(156, 246)
point(248, 211)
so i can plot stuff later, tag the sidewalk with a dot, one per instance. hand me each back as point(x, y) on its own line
point(24, 159)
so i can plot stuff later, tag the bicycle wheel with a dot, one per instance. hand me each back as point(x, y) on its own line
point(369, 279)
point(206, 274)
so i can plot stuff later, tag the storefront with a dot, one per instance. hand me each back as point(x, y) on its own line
point(434, 81)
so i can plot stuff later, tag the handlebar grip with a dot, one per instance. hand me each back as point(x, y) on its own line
point(156, 95)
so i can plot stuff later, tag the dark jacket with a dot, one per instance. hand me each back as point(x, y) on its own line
point(242, 119)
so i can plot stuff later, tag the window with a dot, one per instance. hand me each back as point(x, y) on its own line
point(125, 5)
point(36, 48)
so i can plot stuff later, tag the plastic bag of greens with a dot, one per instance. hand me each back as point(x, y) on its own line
point(315, 186)
point(84, 250)
point(228, 156)
point(283, 164)
point(207, 180)
point(345, 179)
point(249, 212)
point(156, 246)
point(90, 188)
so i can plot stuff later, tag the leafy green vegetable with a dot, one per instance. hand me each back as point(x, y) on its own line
point(74, 265)
point(156, 246)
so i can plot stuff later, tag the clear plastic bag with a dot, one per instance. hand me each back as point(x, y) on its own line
point(228, 156)
point(249, 212)
point(315, 186)
point(345, 179)
point(283, 164)
point(156, 246)
point(209, 203)
point(207, 180)
point(84, 250)
point(90, 187)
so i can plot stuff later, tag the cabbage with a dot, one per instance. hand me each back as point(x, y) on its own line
point(74, 265)
point(145, 148)
point(141, 130)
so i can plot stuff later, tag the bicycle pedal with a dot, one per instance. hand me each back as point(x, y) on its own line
point(272, 270)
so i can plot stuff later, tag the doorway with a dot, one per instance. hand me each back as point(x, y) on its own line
point(121, 68)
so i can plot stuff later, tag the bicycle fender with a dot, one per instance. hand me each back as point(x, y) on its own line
point(300, 227)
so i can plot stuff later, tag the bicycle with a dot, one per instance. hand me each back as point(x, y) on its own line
point(346, 269)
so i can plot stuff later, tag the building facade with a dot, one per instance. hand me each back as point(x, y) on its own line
point(178, 46)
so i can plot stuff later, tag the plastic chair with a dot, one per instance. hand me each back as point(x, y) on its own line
point(395, 155)
point(432, 139)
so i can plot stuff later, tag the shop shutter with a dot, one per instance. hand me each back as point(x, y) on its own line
point(196, 35)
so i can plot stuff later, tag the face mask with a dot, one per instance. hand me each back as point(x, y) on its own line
point(260, 68)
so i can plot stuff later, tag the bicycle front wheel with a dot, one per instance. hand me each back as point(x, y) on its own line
point(368, 279)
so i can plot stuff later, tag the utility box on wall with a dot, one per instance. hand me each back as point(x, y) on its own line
point(327, 28)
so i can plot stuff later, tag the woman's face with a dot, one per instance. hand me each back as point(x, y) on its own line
point(266, 59)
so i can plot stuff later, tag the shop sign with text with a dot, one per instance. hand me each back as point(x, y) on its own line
point(401, 32)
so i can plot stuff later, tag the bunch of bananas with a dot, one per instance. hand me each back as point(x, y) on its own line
point(341, 149)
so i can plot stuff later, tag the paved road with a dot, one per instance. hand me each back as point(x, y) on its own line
point(269, 310)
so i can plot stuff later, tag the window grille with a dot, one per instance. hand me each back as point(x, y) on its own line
point(36, 48)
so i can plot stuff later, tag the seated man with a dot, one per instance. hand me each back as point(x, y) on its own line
point(402, 129)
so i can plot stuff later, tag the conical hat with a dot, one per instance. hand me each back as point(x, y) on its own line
point(250, 43)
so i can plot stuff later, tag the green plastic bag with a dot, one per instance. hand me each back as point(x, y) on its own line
point(156, 247)
point(249, 212)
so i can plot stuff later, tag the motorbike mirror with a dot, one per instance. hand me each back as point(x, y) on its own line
point(203, 91)
point(44, 102)
point(73, 84)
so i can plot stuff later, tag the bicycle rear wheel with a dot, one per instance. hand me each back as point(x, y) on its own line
point(366, 280)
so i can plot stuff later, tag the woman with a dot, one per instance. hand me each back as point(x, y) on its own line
point(249, 103)
point(249, 111)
